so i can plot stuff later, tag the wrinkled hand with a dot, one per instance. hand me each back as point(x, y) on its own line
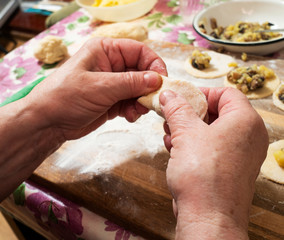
point(101, 81)
point(213, 167)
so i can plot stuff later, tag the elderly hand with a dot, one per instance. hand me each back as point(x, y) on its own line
point(213, 167)
point(100, 82)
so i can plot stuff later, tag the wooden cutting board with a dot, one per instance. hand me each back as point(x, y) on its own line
point(128, 185)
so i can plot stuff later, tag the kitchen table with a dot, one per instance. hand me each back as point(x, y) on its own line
point(99, 188)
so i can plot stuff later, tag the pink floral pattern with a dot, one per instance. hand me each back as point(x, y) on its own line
point(120, 233)
point(20, 50)
point(162, 6)
point(53, 213)
point(59, 29)
point(62, 218)
point(16, 73)
point(86, 32)
point(175, 31)
point(56, 30)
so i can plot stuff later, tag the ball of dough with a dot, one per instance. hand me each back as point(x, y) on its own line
point(134, 31)
point(51, 50)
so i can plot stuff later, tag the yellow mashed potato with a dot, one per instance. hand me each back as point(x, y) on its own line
point(111, 3)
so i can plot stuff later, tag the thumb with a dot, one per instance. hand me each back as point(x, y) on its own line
point(178, 113)
point(127, 85)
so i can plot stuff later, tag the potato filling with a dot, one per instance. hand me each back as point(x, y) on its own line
point(279, 157)
point(243, 31)
point(200, 60)
point(244, 57)
point(281, 94)
point(250, 78)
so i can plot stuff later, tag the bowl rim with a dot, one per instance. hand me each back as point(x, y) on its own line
point(226, 42)
point(112, 7)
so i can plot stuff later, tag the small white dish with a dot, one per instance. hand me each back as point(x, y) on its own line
point(230, 12)
point(118, 13)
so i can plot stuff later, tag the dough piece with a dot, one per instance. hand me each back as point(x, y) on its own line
point(218, 66)
point(268, 88)
point(270, 168)
point(277, 102)
point(184, 88)
point(51, 50)
point(122, 30)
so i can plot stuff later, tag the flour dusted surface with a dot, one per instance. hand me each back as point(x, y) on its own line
point(114, 143)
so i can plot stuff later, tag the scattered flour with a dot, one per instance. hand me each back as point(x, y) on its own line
point(114, 143)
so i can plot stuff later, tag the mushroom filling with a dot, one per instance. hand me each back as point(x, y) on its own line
point(281, 94)
point(243, 31)
point(200, 60)
point(250, 78)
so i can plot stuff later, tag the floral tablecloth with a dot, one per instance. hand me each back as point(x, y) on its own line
point(19, 67)
point(55, 215)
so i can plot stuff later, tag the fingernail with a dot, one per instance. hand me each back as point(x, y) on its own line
point(166, 96)
point(154, 80)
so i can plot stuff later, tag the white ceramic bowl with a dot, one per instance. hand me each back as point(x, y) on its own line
point(118, 13)
point(230, 12)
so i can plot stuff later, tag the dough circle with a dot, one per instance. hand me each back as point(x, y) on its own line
point(270, 168)
point(276, 101)
point(218, 66)
point(184, 88)
point(268, 88)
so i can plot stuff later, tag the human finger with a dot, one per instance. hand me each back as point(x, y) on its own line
point(130, 109)
point(175, 209)
point(179, 114)
point(225, 100)
point(140, 108)
point(114, 87)
point(166, 128)
point(116, 55)
point(134, 55)
point(167, 141)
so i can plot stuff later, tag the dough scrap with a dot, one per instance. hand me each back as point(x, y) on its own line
point(51, 50)
point(134, 31)
point(275, 98)
point(184, 88)
point(268, 88)
point(270, 168)
point(218, 66)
